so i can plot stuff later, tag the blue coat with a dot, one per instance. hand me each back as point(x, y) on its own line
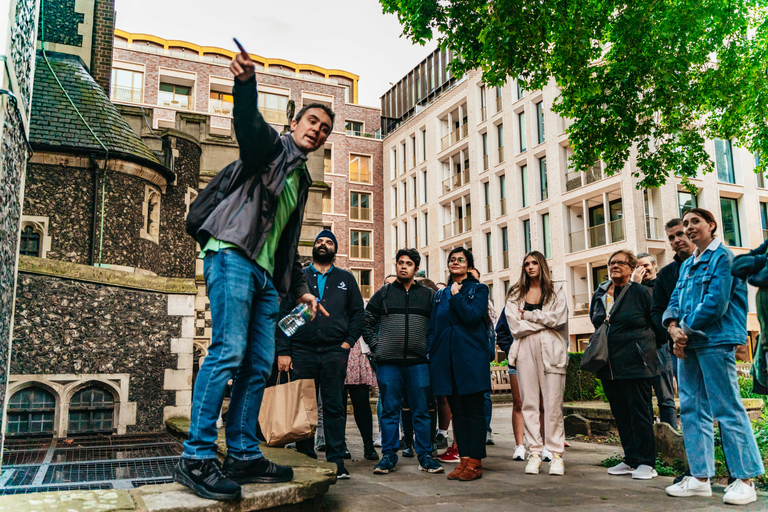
point(457, 339)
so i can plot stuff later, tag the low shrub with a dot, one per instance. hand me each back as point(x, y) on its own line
point(579, 385)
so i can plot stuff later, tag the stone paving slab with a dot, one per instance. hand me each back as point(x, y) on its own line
point(68, 501)
point(504, 486)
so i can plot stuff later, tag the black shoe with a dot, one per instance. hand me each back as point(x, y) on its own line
point(320, 444)
point(408, 451)
point(341, 471)
point(441, 442)
point(369, 452)
point(346, 454)
point(206, 479)
point(259, 471)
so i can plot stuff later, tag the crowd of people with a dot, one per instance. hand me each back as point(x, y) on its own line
point(427, 346)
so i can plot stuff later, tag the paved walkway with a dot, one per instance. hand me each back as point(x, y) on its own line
point(504, 486)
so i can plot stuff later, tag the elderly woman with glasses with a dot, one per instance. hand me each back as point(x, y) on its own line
point(628, 376)
point(458, 350)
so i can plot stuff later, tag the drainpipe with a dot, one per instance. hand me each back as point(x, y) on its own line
point(95, 217)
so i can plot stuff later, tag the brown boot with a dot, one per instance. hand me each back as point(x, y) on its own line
point(456, 473)
point(473, 471)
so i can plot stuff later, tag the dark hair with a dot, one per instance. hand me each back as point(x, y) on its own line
point(677, 221)
point(631, 258)
point(704, 214)
point(428, 283)
point(321, 106)
point(520, 290)
point(413, 254)
point(467, 255)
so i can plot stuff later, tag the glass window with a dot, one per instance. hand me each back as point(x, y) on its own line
point(175, 96)
point(764, 219)
point(540, 120)
point(543, 178)
point(360, 168)
point(354, 128)
point(30, 412)
point(127, 85)
point(364, 281)
point(524, 184)
point(426, 228)
point(527, 235)
point(489, 252)
point(91, 410)
point(686, 201)
point(424, 180)
point(729, 208)
point(423, 145)
point(547, 235)
point(521, 125)
point(30, 242)
point(360, 245)
point(520, 90)
point(724, 161)
point(220, 103)
point(273, 107)
point(504, 248)
point(359, 206)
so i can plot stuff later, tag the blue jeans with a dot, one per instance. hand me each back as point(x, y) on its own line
point(488, 409)
point(392, 380)
point(244, 316)
point(708, 389)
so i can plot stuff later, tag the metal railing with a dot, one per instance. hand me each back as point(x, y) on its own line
point(219, 107)
point(501, 154)
point(175, 101)
point(360, 252)
point(448, 230)
point(581, 304)
point(597, 236)
point(359, 213)
point(616, 227)
point(456, 181)
point(454, 136)
point(490, 263)
point(577, 241)
point(653, 229)
point(503, 203)
point(505, 259)
point(359, 133)
point(129, 94)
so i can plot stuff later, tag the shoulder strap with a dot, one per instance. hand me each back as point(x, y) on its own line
point(384, 292)
point(616, 302)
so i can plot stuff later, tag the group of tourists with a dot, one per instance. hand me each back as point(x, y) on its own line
point(427, 348)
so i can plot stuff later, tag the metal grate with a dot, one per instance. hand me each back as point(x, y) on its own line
point(53, 488)
point(117, 470)
point(27, 444)
point(152, 481)
point(129, 439)
point(17, 457)
point(143, 451)
point(23, 475)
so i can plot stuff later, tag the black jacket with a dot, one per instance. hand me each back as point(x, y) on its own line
point(247, 214)
point(396, 323)
point(664, 285)
point(631, 337)
point(343, 301)
point(661, 333)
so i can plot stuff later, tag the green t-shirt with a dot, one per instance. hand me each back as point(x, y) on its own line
point(286, 204)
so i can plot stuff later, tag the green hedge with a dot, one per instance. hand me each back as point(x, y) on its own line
point(579, 385)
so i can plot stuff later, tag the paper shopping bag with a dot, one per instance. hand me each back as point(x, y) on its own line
point(289, 412)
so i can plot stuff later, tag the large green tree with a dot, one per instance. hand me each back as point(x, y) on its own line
point(657, 75)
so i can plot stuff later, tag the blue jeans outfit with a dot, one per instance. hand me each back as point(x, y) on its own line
point(393, 381)
point(709, 389)
point(244, 311)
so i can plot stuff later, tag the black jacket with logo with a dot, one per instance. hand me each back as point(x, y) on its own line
point(343, 301)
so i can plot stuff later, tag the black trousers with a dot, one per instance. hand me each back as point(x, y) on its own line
point(328, 368)
point(469, 427)
point(631, 406)
point(664, 387)
point(361, 406)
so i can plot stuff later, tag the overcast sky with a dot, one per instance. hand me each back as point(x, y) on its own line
point(352, 35)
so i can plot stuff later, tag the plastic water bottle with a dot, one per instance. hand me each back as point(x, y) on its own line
point(295, 319)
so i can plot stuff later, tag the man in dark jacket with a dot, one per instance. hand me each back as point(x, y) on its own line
point(663, 383)
point(250, 243)
point(319, 350)
point(396, 322)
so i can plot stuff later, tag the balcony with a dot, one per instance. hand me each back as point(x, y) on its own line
point(505, 260)
point(358, 212)
point(501, 154)
point(499, 104)
point(653, 229)
point(483, 113)
point(503, 204)
point(359, 133)
point(487, 212)
point(577, 241)
point(616, 227)
point(219, 107)
point(572, 180)
point(274, 115)
point(128, 94)
point(581, 304)
point(457, 227)
point(490, 263)
point(456, 181)
point(169, 99)
point(597, 236)
point(577, 179)
point(448, 230)
point(594, 174)
point(360, 252)
point(454, 137)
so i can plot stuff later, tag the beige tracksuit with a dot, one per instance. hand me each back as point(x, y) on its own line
point(540, 354)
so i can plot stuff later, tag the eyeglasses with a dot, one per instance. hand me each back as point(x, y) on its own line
point(615, 263)
point(457, 260)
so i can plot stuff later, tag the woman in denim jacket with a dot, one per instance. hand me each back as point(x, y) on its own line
point(706, 319)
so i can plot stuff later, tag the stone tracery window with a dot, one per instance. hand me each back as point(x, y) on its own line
point(91, 409)
point(150, 229)
point(31, 411)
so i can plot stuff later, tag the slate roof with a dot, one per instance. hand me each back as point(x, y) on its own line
point(55, 124)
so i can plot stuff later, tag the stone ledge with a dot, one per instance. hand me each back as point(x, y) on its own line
point(599, 410)
point(105, 276)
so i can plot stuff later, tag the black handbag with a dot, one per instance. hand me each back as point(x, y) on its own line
point(596, 355)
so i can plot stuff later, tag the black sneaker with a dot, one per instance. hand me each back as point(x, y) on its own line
point(206, 479)
point(441, 442)
point(408, 451)
point(346, 454)
point(258, 471)
point(369, 452)
point(341, 471)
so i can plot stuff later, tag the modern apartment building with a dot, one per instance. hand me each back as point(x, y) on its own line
point(487, 168)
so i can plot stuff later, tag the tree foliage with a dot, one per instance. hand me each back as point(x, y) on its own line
point(660, 76)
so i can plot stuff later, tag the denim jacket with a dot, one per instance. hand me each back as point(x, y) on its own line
point(709, 304)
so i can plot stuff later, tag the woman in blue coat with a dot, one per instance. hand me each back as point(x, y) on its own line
point(457, 344)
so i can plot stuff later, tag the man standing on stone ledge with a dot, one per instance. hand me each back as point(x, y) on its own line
point(319, 350)
point(250, 246)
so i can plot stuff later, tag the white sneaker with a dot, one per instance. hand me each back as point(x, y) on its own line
point(519, 453)
point(557, 467)
point(546, 455)
point(534, 464)
point(739, 493)
point(621, 469)
point(644, 472)
point(689, 486)
point(377, 442)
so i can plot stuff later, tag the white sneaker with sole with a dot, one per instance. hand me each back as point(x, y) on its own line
point(519, 453)
point(739, 493)
point(689, 486)
point(557, 467)
point(621, 469)
point(644, 472)
point(377, 442)
point(534, 464)
point(546, 455)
